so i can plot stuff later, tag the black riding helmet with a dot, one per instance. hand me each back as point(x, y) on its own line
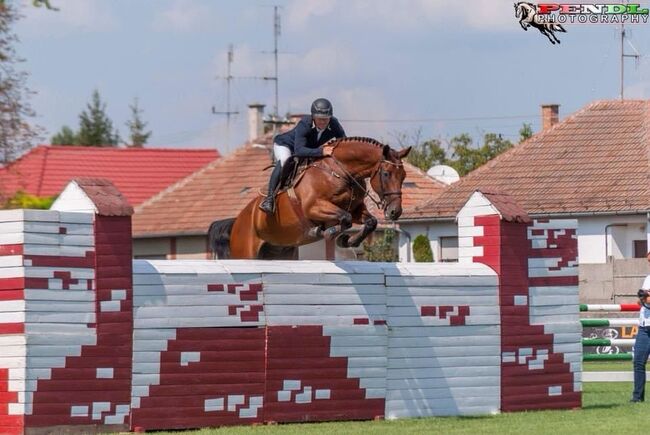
point(321, 107)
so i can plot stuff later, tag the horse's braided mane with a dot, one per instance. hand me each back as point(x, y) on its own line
point(360, 139)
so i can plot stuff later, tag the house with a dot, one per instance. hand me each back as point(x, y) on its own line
point(174, 223)
point(592, 166)
point(138, 173)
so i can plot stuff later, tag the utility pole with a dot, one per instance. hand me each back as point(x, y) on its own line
point(228, 112)
point(636, 57)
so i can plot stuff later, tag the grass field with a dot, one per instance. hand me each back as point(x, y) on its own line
point(605, 410)
point(607, 366)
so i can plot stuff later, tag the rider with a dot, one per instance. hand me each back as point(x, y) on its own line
point(306, 139)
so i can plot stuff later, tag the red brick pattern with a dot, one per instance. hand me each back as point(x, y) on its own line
point(532, 375)
point(95, 387)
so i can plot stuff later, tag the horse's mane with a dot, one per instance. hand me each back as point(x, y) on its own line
point(368, 140)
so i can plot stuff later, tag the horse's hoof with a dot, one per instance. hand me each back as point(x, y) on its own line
point(330, 233)
point(343, 241)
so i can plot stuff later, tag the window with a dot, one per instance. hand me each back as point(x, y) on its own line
point(640, 248)
point(448, 249)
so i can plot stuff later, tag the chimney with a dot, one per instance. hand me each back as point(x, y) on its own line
point(255, 121)
point(550, 115)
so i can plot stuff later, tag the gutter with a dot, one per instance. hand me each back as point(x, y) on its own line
point(174, 234)
point(540, 215)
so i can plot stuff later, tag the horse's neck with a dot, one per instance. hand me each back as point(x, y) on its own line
point(360, 161)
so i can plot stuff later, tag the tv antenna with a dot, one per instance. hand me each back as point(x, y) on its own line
point(228, 112)
point(635, 56)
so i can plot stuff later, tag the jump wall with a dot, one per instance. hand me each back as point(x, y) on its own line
point(91, 340)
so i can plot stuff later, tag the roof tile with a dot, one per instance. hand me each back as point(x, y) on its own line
point(595, 160)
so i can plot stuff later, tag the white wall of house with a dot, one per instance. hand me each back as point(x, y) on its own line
point(598, 237)
point(433, 230)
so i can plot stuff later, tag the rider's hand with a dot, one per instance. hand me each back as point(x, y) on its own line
point(327, 150)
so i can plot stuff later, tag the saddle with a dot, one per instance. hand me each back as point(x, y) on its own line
point(292, 172)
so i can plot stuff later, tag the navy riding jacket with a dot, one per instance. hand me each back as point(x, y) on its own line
point(303, 140)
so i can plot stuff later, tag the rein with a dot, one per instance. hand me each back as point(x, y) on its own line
point(381, 203)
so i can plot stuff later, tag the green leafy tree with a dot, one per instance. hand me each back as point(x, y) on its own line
point(137, 134)
point(466, 157)
point(66, 136)
point(427, 154)
point(422, 249)
point(381, 248)
point(25, 200)
point(17, 134)
point(525, 132)
point(95, 127)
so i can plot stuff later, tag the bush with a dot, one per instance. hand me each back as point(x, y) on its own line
point(422, 249)
point(25, 200)
point(381, 248)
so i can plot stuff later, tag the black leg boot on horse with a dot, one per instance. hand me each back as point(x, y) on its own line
point(268, 205)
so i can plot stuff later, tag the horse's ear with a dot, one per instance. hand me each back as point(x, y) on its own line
point(404, 152)
point(386, 151)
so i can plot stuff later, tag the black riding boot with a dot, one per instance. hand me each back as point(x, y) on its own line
point(268, 205)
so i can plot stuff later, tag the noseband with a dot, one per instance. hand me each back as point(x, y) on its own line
point(383, 194)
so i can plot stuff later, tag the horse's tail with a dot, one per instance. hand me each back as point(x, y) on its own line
point(219, 238)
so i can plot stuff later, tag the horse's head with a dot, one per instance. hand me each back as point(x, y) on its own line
point(387, 180)
point(523, 9)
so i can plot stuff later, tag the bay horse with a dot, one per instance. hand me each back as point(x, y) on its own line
point(324, 201)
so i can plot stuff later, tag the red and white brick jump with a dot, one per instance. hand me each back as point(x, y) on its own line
point(93, 341)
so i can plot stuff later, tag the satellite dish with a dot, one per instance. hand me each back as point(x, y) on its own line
point(443, 173)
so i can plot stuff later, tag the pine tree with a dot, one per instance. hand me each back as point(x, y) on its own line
point(95, 127)
point(16, 132)
point(136, 126)
point(65, 137)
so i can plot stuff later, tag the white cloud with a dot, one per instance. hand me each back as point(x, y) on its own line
point(300, 12)
point(184, 16)
point(404, 15)
point(73, 16)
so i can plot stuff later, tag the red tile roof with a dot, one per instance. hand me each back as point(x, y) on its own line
point(223, 188)
point(594, 161)
point(138, 173)
point(108, 200)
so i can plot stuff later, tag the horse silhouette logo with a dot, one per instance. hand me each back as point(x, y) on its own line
point(528, 17)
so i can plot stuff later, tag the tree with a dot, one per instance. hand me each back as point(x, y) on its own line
point(525, 132)
point(424, 154)
point(136, 127)
point(422, 249)
point(37, 3)
point(95, 127)
point(466, 157)
point(16, 132)
point(65, 137)
point(381, 248)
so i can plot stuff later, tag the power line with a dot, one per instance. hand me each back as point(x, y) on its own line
point(472, 118)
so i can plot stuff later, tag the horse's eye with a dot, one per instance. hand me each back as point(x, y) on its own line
point(384, 174)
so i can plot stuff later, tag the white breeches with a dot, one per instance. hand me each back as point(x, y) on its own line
point(281, 153)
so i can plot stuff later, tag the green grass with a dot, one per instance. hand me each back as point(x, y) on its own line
point(605, 410)
point(607, 366)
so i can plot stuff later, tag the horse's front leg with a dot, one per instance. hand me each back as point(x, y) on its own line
point(335, 220)
point(369, 225)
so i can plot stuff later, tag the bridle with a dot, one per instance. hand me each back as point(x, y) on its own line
point(383, 194)
point(382, 204)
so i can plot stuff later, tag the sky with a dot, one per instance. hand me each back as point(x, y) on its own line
point(390, 67)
